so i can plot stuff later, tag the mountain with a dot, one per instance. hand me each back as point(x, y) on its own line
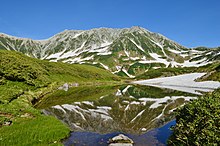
point(126, 52)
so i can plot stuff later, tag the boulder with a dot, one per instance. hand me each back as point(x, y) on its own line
point(121, 140)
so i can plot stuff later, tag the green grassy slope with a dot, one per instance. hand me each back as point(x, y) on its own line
point(23, 79)
point(19, 73)
point(18, 67)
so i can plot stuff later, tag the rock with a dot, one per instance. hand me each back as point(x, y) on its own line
point(143, 129)
point(7, 123)
point(25, 115)
point(65, 87)
point(120, 140)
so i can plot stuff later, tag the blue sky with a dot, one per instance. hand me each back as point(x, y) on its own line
point(189, 22)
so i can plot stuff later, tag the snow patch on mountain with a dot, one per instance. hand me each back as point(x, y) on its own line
point(138, 115)
point(105, 66)
point(198, 63)
point(78, 60)
point(138, 46)
point(159, 59)
point(129, 75)
point(158, 44)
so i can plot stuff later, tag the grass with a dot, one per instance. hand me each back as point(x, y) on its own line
point(42, 131)
point(15, 66)
point(11, 90)
point(29, 126)
point(212, 70)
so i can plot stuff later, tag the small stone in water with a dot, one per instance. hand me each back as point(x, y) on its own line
point(143, 129)
point(120, 140)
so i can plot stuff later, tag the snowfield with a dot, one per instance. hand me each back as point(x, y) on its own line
point(185, 83)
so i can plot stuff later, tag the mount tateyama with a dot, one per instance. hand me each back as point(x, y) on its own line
point(126, 52)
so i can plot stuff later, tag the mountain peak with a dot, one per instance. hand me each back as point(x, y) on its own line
point(136, 28)
point(139, 29)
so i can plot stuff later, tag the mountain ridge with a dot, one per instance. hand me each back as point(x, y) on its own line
point(126, 52)
point(80, 30)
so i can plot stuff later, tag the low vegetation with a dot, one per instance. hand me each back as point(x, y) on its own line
point(23, 80)
point(198, 122)
point(212, 71)
point(15, 66)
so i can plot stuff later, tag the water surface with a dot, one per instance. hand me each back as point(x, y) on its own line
point(96, 114)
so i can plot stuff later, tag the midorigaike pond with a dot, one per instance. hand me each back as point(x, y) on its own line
point(96, 114)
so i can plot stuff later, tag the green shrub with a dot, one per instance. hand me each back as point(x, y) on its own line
point(198, 122)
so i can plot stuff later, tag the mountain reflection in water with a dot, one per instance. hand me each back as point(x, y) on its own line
point(105, 111)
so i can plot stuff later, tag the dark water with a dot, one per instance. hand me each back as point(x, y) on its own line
point(157, 137)
point(96, 114)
